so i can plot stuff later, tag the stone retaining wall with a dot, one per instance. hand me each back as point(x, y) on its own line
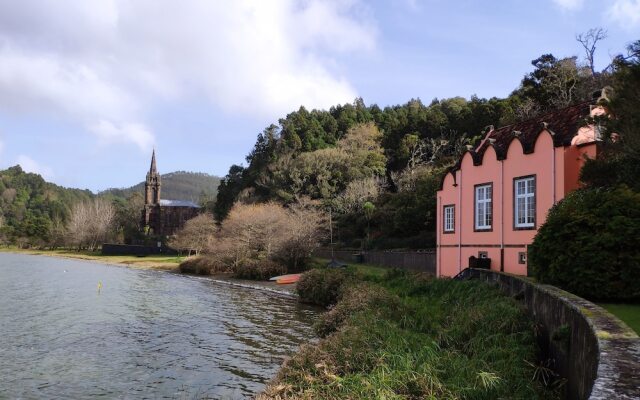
point(419, 261)
point(597, 354)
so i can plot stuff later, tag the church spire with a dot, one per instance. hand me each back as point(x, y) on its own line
point(153, 169)
point(153, 183)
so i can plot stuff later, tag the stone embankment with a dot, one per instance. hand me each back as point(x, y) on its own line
point(596, 353)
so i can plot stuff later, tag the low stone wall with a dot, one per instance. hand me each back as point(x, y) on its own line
point(420, 261)
point(111, 249)
point(597, 354)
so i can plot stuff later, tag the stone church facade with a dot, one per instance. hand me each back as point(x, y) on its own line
point(163, 217)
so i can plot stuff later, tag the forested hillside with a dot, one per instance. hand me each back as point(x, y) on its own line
point(377, 169)
point(34, 212)
point(179, 185)
point(30, 208)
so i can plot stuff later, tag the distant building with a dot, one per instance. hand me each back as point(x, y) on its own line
point(493, 201)
point(163, 217)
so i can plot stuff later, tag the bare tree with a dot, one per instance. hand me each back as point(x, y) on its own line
point(303, 233)
point(357, 193)
point(266, 232)
point(91, 223)
point(527, 109)
point(196, 234)
point(78, 224)
point(589, 40)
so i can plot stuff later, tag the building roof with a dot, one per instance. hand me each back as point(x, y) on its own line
point(178, 203)
point(563, 124)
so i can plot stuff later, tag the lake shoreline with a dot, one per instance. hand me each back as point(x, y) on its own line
point(155, 263)
point(127, 261)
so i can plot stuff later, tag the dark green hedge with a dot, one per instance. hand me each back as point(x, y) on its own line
point(590, 245)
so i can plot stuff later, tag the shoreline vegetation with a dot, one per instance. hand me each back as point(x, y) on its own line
point(152, 262)
point(398, 335)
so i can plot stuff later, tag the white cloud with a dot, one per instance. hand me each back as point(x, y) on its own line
point(108, 132)
point(625, 12)
point(569, 4)
point(30, 165)
point(105, 63)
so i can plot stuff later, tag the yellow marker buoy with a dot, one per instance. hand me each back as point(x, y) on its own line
point(99, 286)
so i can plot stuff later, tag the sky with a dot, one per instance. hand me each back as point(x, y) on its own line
point(89, 88)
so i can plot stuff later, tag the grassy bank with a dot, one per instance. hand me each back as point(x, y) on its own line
point(397, 336)
point(629, 313)
point(158, 262)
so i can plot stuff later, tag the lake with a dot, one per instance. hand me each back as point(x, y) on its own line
point(146, 334)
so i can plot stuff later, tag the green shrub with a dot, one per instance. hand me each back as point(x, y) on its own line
point(260, 270)
point(203, 265)
point(614, 168)
point(355, 298)
point(322, 286)
point(589, 245)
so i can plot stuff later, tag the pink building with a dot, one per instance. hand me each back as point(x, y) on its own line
point(493, 200)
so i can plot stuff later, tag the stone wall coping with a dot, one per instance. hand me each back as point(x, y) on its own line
point(618, 358)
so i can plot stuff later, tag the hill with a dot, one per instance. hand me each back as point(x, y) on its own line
point(30, 207)
point(179, 185)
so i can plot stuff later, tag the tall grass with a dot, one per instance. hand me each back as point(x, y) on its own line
point(411, 337)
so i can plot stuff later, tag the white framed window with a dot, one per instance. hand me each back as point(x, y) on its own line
point(449, 218)
point(524, 202)
point(483, 207)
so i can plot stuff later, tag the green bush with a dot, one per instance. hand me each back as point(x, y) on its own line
point(203, 265)
point(260, 270)
point(612, 167)
point(322, 286)
point(589, 245)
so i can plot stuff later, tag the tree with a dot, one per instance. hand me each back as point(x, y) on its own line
point(323, 173)
point(589, 40)
point(555, 83)
point(267, 233)
point(196, 235)
point(304, 230)
point(128, 221)
point(230, 187)
point(618, 161)
point(351, 199)
point(91, 223)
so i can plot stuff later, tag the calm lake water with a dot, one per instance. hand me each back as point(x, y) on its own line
point(148, 334)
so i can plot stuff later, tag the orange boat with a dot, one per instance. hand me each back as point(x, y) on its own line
point(286, 279)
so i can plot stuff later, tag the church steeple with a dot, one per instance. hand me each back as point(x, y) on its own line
point(152, 184)
point(153, 169)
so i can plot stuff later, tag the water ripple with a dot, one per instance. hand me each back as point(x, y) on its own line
point(147, 334)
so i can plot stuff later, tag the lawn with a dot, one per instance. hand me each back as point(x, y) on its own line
point(629, 313)
point(163, 262)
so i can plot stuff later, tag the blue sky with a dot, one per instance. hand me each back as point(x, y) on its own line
point(87, 89)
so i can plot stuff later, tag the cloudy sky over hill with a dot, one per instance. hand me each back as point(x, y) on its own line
point(88, 88)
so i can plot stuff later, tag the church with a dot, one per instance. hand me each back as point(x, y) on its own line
point(163, 217)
